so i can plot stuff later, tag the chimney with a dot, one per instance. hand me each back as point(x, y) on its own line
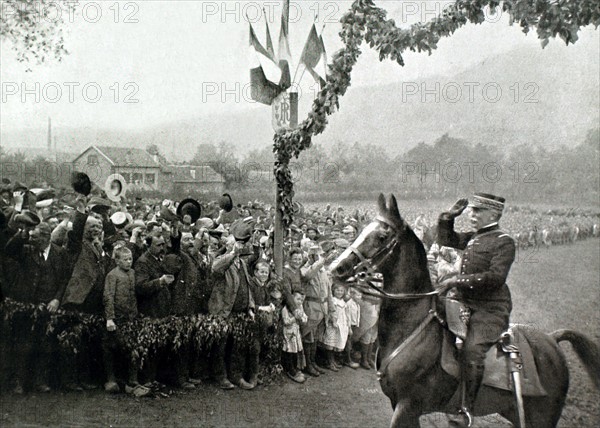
point(155, 156)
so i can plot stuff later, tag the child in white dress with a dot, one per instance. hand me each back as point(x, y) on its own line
point(292, 355)
point(336, 329)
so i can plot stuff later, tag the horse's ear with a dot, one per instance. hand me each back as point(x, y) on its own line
point(393, 208)
point(381, 203)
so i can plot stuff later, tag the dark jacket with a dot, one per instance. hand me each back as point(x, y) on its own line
point(87, 278)
point(225, 292)
point(154, 298)
point(38, 280)
point(487, 258)
point(185, 292)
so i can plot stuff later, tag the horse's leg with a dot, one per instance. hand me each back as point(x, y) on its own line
point(406, 415)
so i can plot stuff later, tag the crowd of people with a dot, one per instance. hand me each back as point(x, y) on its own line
point(125, 260)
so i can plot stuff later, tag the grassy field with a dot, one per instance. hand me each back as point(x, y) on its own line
point(554, 288)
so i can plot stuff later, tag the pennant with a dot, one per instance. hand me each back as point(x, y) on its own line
point(262, 88)
point(284, 54)
point(314, 56)
point(270, 49)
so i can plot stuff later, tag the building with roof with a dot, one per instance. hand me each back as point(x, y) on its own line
point(144, 171)
point(137, 166)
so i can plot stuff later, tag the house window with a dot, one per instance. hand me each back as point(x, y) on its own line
point(150, 178)
point(193, 173)
point(138, 177)
point(92, 160)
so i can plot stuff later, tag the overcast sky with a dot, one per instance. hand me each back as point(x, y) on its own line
point(172, 56)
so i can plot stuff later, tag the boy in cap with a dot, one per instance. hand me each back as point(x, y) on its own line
point(481, 284)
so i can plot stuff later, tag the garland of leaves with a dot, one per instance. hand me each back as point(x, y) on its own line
point(142, 337)
point(365, 21)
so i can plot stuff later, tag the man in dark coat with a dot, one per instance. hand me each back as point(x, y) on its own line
point(42, 278)
point(152, 289)
point(231, 296)
point(151, 281)
point(481, 284)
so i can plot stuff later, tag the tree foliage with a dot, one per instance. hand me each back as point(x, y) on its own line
point(34, 28)
point(367, 22)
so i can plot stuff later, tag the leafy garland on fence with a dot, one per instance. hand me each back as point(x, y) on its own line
point(142, 337)
point(367, 22)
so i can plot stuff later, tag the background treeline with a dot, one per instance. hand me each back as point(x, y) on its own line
point(447, 168)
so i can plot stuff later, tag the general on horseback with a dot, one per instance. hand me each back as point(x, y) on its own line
point(519, 373)
point(481, 285)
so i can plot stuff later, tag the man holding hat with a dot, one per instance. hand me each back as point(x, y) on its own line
point(480, 285)
point(232, 295)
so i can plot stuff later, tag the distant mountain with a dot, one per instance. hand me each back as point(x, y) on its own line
point(539, 104)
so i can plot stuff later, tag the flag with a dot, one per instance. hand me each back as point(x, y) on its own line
point(263, 72)
point(314, 56)
point(270, 49)
point(284, 55)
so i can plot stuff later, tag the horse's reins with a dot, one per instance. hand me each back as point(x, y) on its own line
point(369, 268)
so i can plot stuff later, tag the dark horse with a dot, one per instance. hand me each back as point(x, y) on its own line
point(410, 337)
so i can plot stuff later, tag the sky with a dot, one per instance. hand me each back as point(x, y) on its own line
point(135, 64)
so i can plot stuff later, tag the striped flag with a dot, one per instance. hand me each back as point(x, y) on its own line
point(314, 56)
point(270, 49)
point(263, 72)
point(284, 54)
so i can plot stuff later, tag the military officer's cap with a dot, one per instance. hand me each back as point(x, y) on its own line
point(487, 201)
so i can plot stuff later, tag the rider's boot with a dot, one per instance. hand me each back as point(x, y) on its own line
point(470, 383)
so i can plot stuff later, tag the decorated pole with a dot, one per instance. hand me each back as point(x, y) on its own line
point(284, 116)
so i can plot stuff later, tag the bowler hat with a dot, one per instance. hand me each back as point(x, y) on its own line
point(81, 183)
point(18, 186)
point(189, 207)
point(226, 203)
point(241, 230)
point(98, 205)
point(27, 218)
point(166, 214)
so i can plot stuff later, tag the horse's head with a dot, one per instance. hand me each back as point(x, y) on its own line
point(376, 243)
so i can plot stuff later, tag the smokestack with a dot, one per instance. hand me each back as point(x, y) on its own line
point(49, 134)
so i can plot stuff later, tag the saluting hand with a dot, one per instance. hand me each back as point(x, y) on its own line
point(458, 208)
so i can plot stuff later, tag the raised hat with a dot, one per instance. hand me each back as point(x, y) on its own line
point(81, 183)
point(166, 214)
point(98, 205)
point(119, 219)
point(189, 207)
point(18, 186)
point(27, 218)
point(226, 203)
point(487, 201)
point(205, 222)
point(241, 230)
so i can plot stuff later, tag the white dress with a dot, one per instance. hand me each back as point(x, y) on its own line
point(336, 329)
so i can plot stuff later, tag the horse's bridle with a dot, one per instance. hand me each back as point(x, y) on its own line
point(366, 269)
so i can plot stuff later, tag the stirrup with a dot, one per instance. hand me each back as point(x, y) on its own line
point(467, 414)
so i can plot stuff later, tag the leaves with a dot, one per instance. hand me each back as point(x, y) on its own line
point(142, 337)
point(366, 22)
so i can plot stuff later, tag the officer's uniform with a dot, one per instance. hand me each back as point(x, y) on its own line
point(481, 285)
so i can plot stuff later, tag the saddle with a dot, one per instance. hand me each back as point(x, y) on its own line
point(497, 372)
